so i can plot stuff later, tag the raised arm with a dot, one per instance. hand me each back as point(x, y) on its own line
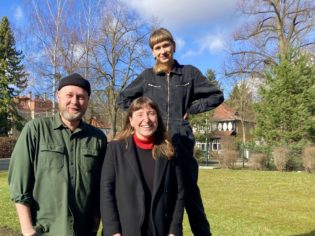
point(206, 95)
point(131, 92)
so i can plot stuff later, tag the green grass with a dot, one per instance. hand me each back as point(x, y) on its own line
point(237, 202)
point(8, 217)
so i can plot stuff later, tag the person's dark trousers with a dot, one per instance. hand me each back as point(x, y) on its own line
point(184, 146)
point(193, 203)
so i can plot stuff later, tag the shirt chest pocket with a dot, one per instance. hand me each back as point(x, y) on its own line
point(181, 90)
point(182, 87)
point(89, 159)
point(153, 90)
point(51, 156)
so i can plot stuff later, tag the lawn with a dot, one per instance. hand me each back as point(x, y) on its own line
point(237, 202)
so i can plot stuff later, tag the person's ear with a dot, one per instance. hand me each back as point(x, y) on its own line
point(131, 122)
point(153, 55)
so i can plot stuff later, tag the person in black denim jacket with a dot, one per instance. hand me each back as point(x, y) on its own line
point(179, 90)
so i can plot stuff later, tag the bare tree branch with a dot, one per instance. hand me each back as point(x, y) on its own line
point(272, 28)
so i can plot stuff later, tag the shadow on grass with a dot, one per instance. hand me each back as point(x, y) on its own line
point(312, 233)
point(6, 231)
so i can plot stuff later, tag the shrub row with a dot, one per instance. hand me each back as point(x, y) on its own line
point(281, 158)
point(6, 146)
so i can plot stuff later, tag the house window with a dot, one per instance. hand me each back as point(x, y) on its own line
point(225, 126)
point(216, 145)
point(214, 126)
point(201, 146)
point(220, 126)
point(230, 126)
point(201, 129)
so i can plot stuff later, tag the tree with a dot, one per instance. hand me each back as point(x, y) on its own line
point(101, 39)
point(120, 51)
point(12, 77)
point(54, 36)
point(241, 100)
point(271, 28)
point(286, 112)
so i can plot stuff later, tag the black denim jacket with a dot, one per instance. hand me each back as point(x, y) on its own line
point(185, 89)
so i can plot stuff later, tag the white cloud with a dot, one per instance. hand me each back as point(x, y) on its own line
point(18, 14)
point(212, 43)
point(201, 28)
point(178, 14)
point(180, 43)
point(207, 44)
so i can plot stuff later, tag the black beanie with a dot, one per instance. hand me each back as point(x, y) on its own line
point(76, 80)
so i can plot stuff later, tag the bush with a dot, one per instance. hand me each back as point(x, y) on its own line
point(200, 155)
point(264, 149)
point(308, 157)
point(295, 162)
point(280, 157)
point(6, 146)
point(257, 161)
point(228, 158)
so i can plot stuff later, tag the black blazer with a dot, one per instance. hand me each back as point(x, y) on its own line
point(122, 193)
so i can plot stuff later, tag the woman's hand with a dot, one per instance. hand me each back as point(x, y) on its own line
point(186, 116)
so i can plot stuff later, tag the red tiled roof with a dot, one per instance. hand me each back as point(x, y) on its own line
point(36, 104)
point(98, 124)
point(224, 112)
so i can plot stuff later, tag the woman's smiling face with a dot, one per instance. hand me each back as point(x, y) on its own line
point(144, 122)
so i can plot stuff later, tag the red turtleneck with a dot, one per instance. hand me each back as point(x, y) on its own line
point(143, 144)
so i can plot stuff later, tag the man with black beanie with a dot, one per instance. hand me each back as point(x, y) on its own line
point(55, 168)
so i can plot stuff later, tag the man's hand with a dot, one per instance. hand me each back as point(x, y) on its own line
point(34, 234)
point(25, 218)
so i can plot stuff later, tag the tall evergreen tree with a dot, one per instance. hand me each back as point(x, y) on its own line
point(287, 110)
point(12, 77)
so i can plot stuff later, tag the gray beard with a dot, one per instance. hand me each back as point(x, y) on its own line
point(70, 117)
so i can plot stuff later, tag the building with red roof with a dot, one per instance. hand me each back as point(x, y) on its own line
point(226, 130)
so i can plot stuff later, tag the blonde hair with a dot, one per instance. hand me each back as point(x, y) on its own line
point(162, 144)
point(160, 35)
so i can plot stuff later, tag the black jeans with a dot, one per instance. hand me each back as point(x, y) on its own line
point(184, 146)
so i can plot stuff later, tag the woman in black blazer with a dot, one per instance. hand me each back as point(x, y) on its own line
point(141, 184)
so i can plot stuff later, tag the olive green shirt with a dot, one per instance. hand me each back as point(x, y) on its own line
point(56, 172)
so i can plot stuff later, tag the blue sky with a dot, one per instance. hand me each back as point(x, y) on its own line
point(202, 28)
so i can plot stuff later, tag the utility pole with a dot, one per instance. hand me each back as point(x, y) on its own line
point(207, 142)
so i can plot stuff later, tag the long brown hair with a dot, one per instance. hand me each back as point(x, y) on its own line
point(162, 144)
